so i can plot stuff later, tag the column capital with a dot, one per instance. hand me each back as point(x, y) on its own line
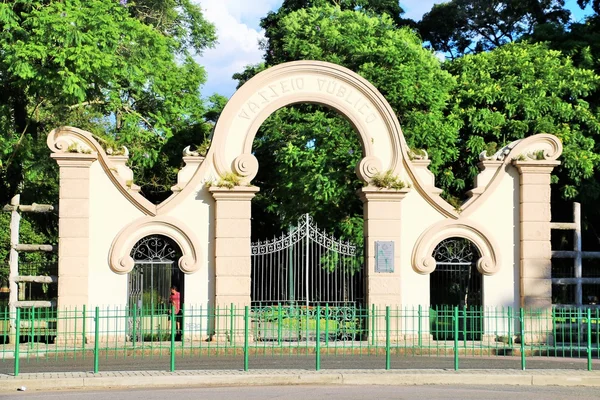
point(74, 160)
point(370, 193)
point(535, 167)
point(237, 193)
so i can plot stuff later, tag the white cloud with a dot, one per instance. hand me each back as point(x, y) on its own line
point(414, 9)
point(238, 31)
point(237, 24)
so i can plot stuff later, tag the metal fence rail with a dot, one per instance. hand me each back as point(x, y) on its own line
point(377, 333)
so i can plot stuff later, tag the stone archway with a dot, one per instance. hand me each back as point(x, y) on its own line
point(383, 150)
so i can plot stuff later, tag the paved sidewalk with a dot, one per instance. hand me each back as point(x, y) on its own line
point(265, 377)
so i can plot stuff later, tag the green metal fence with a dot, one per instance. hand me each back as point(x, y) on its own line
point(378, 333)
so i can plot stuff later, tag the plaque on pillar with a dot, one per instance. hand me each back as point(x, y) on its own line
point(384, 257)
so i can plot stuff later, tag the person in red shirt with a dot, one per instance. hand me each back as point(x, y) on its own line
point(175, 303)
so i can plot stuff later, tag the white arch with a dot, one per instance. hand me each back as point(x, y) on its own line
point(119, 258)
point(424, 263)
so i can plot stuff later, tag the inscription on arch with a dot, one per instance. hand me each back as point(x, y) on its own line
point(328, 86)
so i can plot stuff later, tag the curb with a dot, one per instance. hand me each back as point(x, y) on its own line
point(35, 382)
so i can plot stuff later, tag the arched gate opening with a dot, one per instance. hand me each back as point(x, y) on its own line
point(456, 283)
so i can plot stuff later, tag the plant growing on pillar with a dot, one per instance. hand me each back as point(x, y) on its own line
point(229, 180)
point(387, 180)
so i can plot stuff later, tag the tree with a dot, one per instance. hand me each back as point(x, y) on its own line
point(519, 90)
point(123, 71)
point(462, 27)
point(272, 22)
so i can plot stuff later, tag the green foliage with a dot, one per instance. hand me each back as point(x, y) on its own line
point(29, 234)
point(519, 90)
point(122, 71)
point(459, 27)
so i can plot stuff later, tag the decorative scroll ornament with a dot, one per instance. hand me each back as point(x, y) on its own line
point(155, 248)
point(245, 165)
point(537, 147)
point(187, 152)
point(418, 154)
point(486, 265)
point(124, 152)
point(187, 264)
point(425, 265)
point(306, 229)
point(71, 140)
point(368, 168)
point(124, 265)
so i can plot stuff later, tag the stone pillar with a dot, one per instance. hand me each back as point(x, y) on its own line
point(535, 248)
point(381, 209)
point(73, 239)
point(232, 252)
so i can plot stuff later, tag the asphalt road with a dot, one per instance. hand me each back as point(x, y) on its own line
point(296, 361)
point(324, 392)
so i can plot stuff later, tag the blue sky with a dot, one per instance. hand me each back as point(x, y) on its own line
point(237, 23)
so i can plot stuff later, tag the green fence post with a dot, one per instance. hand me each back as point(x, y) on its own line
point(32, 326)
point(134, 329)
point(84, 313)
point(510, 322)
point(173, 326)
point(231, 327)
point(17, 340)
point(372, 325)
point(455, 320)
point(419, 339)
point(388, 364)
point(327, 324)
point(589, 339)
point(522, 331)
point(318, 340)
point(96, 339)
point(246, 327)
point(279, 323)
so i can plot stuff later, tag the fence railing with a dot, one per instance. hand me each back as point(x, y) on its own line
point(332, 331)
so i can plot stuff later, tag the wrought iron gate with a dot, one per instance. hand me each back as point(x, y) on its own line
point(306, 267)
point(456, 282)
point(150, 281)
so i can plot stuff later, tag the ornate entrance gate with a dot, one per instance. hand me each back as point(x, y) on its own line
point(304, 277)
point(456, 282)
point(306, 267)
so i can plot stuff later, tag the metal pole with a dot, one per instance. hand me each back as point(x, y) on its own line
point(246, 326)
point(291, 272)
point(522, 329)
point(589, 339)
point(96, 339)
point(231, 323)
point(15, 220)
point(173, 325)
point(17, 340)
point(510, 321)
point(318, 340)
point(306, 261)
point(420, 331)
point(372, 334)
point(387, 339)
point(455, 338)
point(83, 330)
point(578, 249)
